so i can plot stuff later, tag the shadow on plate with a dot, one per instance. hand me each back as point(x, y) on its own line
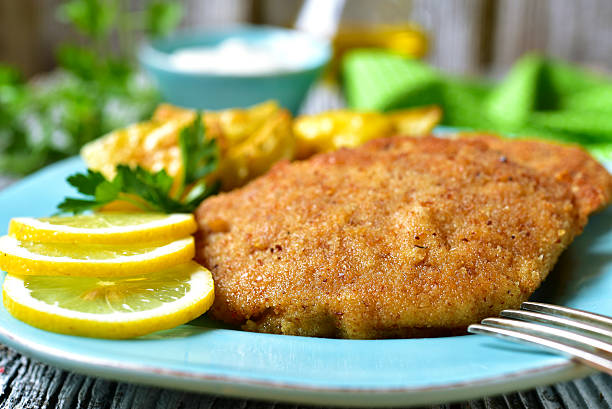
point(198, 326)
point(582, 265)
point(581, 268)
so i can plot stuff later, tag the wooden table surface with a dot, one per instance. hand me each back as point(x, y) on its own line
point(26, 383)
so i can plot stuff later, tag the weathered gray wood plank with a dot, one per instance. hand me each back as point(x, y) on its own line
point(84, 393)
point(603, 384)
point(55, 385)
point(145, 398)
point(570, 395)
point(102, 394)
point(68, 394)
point(549, 398)
point(589, 393)
point(25, 383)
point(573, 30)
point(530, 399)
point(455, 28)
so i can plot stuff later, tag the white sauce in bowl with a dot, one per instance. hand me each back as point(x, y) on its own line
point(236, 56)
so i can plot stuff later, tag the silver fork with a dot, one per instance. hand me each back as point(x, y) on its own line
point(582, 335)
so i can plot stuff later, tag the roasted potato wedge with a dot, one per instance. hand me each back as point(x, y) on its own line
point(328, 131)
point(415, 121)
point(332, 130)
point(271, 142)
point(250, 141)
point(152, 145)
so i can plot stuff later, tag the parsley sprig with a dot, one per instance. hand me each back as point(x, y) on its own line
point(152, 191)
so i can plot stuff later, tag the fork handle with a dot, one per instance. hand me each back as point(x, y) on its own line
point(591, 359)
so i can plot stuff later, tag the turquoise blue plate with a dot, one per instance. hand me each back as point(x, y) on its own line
point(203, 356)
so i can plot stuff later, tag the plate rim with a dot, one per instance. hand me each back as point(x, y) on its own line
point(235, 386)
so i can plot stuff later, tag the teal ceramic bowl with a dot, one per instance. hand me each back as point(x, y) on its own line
point(204, 90)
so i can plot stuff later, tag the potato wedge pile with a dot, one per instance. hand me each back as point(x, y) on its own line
point(329, 131)
point(250, 140)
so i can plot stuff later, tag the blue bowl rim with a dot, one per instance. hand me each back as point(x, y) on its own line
point(150, 57)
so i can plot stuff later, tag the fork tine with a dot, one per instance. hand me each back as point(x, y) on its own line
point(584, 316)
point(561, 335)
point(562, 322)
point(586, 357)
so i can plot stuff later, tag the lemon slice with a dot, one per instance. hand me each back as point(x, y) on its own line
point(91, 260)
point(111, 308)
point(104, 228)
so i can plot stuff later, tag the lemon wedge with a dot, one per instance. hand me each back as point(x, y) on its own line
point(111, 308)
point(103, 228)
point(91, 260)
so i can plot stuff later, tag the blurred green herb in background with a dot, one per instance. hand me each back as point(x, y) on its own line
point(96, 88)
point(540, 97)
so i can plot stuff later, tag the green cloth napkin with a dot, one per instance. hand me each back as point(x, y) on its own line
point(539, 97)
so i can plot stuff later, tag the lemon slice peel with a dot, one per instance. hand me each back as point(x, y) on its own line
point(156, 228)
point(17, 259)
point(19, 302)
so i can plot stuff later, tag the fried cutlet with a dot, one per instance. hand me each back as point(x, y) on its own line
point(591, 184)
point(399, 238)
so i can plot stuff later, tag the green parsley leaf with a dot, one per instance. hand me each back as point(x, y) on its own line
point(200, 155)
point(200, 158)
point(151, 191)
point(162, 17)
point(199, 192)
point(107, 191)
point(86, 183)
point(93, 18)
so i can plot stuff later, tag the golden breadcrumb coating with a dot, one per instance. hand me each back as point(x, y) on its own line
point(591, 183)
point(402, 237)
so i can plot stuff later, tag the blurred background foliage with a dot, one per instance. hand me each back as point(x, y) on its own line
point(95, 89)
point(67, 73)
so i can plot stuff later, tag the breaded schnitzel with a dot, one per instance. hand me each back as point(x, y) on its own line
point(401, 237)
point(591, 184)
